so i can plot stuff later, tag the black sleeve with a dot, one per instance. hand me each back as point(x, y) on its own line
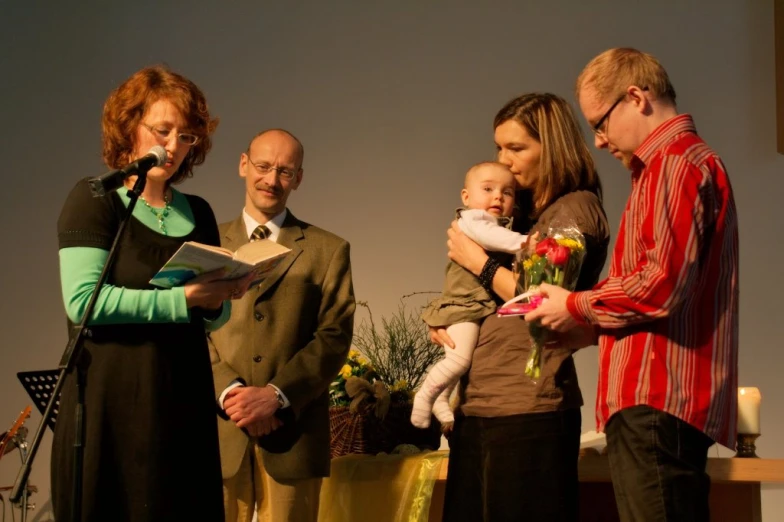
point(87, 221)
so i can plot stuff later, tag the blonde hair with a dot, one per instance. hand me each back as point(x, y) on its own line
point(566, 164)
point(483, 164)
point(613, 71)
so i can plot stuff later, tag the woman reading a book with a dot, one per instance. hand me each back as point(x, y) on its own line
point(146, 374)
point(515, 442)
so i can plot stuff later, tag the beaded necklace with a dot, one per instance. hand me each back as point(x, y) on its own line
point(159, 213)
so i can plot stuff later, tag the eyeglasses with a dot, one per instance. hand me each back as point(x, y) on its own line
point(265, 168)
point(163, 133)
point(597, 129)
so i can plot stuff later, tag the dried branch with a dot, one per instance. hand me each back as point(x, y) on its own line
point(401, 349)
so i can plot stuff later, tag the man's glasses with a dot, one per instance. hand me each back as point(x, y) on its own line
point(599, 128)
point(265, 168)
point(163, 133)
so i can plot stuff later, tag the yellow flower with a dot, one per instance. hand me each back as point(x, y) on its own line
point(529, 261)
point(400, 385)
point(363, 362)
point(353, 354)
point(345, 372)
point(572, 244)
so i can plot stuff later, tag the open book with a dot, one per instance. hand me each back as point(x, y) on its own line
point(193, 259)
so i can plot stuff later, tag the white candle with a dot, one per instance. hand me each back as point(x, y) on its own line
point(749, 410)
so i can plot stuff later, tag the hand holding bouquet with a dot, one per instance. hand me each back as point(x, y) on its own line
point(555, 260)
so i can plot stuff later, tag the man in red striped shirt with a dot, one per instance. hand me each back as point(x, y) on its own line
point(666, 317)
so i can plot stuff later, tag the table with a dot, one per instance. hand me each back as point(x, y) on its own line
point(410, 488)
point(382, 488)
point(735, 488)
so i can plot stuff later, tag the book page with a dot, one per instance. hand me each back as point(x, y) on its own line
point(216, 249)
point(257, 251)
point(263, 256)
point(193, 259)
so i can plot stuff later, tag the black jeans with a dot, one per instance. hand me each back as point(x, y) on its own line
point(657, 464)
point(513, 469)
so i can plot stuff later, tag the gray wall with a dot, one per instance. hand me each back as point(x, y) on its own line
point(393, 103)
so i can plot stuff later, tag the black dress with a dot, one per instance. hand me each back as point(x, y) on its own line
point(151, 443)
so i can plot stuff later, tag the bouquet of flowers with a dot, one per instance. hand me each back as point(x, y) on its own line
point(356, 366)
point(556, 259)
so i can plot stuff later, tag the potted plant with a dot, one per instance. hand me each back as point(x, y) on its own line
point(371, 397)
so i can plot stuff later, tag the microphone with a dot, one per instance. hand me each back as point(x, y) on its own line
point(111, 181)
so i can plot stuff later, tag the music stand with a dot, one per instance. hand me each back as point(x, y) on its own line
point(40, 385)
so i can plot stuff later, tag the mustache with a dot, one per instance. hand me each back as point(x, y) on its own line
point(269, 188)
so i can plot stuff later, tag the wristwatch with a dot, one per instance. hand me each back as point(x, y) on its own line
point(281, 402)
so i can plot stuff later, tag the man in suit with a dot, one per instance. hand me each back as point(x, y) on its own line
point(285, 342)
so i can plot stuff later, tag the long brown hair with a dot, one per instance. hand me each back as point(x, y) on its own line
point(127, 104)
point(566, 164)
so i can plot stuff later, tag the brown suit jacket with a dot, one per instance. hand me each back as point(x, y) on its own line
point(294, 331)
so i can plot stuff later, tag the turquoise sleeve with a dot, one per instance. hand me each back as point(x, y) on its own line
point(80, 268)
point(213, 324)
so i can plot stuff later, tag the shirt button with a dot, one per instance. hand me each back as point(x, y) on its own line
point(258, 316)
point(257, 358)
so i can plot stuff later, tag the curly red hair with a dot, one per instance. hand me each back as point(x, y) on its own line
point(127, 104)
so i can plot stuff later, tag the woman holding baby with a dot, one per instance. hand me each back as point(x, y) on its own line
point(515, 442)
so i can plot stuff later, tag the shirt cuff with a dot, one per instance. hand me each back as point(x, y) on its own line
point(232, 385)
point(181, 310)
point(579, 306)
point(286, 402)
point(213, 324)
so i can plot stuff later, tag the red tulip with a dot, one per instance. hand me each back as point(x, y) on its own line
point(545, 246)
point(559, 255)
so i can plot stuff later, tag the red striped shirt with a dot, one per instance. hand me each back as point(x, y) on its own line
point(667, 314)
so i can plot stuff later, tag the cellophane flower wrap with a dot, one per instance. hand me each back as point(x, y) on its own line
point(556, 259)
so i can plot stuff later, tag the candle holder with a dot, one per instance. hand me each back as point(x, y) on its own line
point(746, 449)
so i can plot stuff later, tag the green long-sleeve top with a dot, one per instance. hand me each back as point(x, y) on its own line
point(80, 268)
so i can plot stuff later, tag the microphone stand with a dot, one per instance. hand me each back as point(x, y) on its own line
point(21, 443)
point(69, 359)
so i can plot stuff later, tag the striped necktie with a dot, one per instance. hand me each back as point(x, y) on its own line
point(261, 232)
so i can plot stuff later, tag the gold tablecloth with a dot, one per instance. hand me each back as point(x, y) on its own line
point(381, 488)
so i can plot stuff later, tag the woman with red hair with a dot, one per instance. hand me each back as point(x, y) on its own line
point(145, 370)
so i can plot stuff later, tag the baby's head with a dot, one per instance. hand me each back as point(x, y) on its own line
point(490, 186)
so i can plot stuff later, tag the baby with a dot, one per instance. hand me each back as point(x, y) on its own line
point(489, 197)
